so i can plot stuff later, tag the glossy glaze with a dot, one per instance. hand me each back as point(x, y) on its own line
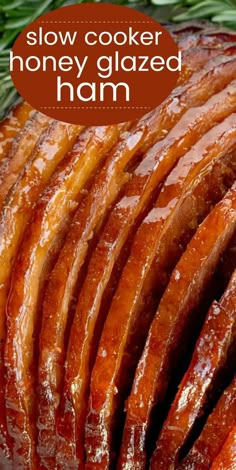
point(101, 266)
point(105, 190)
point(104, 258)
point(43, 238)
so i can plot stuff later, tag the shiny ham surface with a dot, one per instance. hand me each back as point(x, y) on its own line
point(117, 279)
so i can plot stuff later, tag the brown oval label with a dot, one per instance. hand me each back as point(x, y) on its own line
point(95, 64)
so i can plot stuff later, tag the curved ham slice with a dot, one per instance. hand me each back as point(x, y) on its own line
point(209, 357)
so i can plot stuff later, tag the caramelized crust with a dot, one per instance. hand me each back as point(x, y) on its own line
point(209, 357)
point(189, 41)
point(11, 125)
point(197, 42)
point(165, 154)
point(219, 424)
point(21, 150)
point(52, 210)
point(175, 315)
point(186, 197)
point(226, 460)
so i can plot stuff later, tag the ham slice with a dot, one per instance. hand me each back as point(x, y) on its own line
point(210, 356)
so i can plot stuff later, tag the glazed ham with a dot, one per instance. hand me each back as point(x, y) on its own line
point(117, 280)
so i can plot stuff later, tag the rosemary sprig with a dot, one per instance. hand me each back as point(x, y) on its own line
point(17, 14)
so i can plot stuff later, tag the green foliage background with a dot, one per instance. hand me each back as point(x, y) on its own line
point(16, 14)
